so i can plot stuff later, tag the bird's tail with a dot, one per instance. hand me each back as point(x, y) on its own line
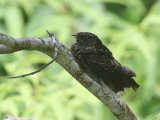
point(133, 84)
point(119, 85)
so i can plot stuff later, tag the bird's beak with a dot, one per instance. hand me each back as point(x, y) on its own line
point(74, 35)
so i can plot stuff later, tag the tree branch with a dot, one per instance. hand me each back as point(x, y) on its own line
point(118, 107)
point(10, 117)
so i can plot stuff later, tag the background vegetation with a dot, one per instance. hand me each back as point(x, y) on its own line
point(130, 28)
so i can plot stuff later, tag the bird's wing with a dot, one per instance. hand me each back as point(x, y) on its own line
point(118, 67)
point(98, 61)
point(110, 71)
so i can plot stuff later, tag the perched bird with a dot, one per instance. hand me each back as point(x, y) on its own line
point(98, 62)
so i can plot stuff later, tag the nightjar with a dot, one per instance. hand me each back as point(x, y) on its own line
point(98, 62)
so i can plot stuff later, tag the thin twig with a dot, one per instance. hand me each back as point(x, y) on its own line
point(52, 36)
point(32, 73)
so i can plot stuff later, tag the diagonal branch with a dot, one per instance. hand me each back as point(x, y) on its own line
point(118, 107)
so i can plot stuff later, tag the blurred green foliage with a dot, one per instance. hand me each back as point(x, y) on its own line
point(130, 28)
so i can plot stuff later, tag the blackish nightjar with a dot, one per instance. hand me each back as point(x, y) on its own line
point(98, 62)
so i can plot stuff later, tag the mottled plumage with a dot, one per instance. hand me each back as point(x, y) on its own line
point(97, 61)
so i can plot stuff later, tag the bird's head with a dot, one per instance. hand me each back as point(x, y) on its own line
point(86, 38)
